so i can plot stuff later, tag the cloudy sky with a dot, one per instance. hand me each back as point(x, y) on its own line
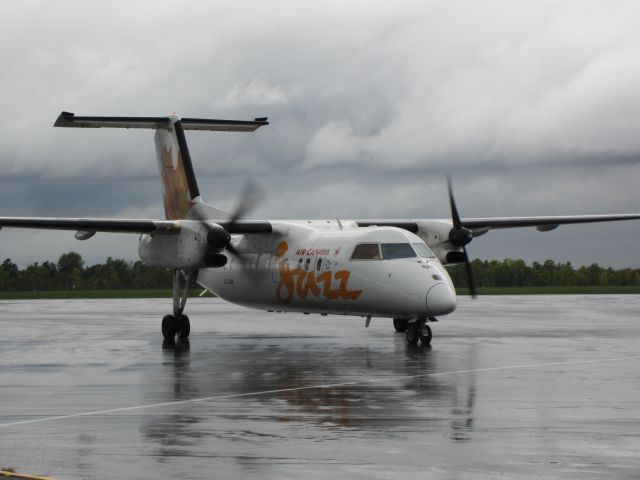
point(532, 107)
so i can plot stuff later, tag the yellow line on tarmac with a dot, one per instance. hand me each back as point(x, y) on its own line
point(9, 474)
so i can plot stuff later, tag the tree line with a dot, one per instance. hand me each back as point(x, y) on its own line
point(70, 273)
point(516, 273)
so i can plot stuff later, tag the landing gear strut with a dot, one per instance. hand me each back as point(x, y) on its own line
point(418, 331)
point(178, 323)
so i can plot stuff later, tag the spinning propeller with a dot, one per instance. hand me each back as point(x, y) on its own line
point(460, 236)
point(218, 236)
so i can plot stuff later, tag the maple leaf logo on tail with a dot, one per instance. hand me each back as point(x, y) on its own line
point(175, 189)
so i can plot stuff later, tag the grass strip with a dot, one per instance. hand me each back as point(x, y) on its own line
point(70, 294)
point(556, 290)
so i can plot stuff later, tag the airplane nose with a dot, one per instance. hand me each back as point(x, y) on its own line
point(441, 299)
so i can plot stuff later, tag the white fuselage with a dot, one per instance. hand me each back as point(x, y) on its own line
point(307, 266)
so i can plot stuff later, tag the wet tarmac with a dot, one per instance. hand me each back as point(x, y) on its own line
point(526, 387)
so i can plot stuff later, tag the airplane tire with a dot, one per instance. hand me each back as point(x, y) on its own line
point(184, 327)
point(169, 327)
point(428, 335)
point(400, 324)
point(412, 334)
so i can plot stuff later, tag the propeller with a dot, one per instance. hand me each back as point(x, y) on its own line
point(460, 237)
point(251, 196)
point(219, 237)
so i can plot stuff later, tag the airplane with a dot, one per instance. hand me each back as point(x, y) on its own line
point(367, 268)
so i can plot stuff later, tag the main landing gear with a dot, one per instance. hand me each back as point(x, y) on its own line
point(178, 323)
point(416, 329)
point(400, 324)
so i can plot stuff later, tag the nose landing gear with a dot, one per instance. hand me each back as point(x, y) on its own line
point(418, 330)
point(173, 325)
point(178, 323)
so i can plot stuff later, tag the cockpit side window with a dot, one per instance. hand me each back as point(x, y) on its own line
point(366, 251)
point(391, 251)
point(422, 250)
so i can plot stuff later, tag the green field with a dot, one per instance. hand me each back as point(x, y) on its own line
point(66, 294)
point(564, 290)
point(166, 293)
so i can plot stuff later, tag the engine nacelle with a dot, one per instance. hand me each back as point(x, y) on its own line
point(188, 249)
point(435, 234)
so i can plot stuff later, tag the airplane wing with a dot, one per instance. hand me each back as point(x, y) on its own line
point(541, 223)
point(482, 225)
point(92, 225)
point(478, 226)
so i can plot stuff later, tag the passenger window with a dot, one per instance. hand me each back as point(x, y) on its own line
point(391, 251)
point(319, 265)
point(300, 264)
point(423, 250)
point(366, 251)
point(306, 265)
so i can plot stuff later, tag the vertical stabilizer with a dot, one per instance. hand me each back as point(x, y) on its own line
point(174, 162)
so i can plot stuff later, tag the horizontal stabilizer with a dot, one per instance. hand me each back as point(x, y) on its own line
point(67, 119)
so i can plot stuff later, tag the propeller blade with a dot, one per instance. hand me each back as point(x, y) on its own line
point(251, 196)
point(244, 262)
point(470, 279)
point(460, 237)
point(455, 216)
point(233, 251)
point(237, 255)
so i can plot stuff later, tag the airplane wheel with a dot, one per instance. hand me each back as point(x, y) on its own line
point(425, 339)
point(412, 334)
point(169, 327)
point(184, 327)
point(400, 324)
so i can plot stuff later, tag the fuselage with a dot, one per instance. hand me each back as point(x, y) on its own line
point(331, 268)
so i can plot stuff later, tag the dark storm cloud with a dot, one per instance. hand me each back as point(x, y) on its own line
point(532, 108)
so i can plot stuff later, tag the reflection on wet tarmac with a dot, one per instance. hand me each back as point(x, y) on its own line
point(305, 378)
point(268, 395)
point(171, 432)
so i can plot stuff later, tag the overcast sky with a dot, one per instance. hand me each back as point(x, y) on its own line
point(532, 107)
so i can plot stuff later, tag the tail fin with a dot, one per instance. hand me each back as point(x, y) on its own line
point(179, 185)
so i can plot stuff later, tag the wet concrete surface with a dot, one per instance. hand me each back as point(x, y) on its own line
point(526, 387)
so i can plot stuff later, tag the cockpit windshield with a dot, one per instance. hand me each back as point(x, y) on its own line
point(391, 251)
point(366, 251)
point(423, 250)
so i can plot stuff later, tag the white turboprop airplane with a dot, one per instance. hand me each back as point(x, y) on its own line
point(372, 268)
